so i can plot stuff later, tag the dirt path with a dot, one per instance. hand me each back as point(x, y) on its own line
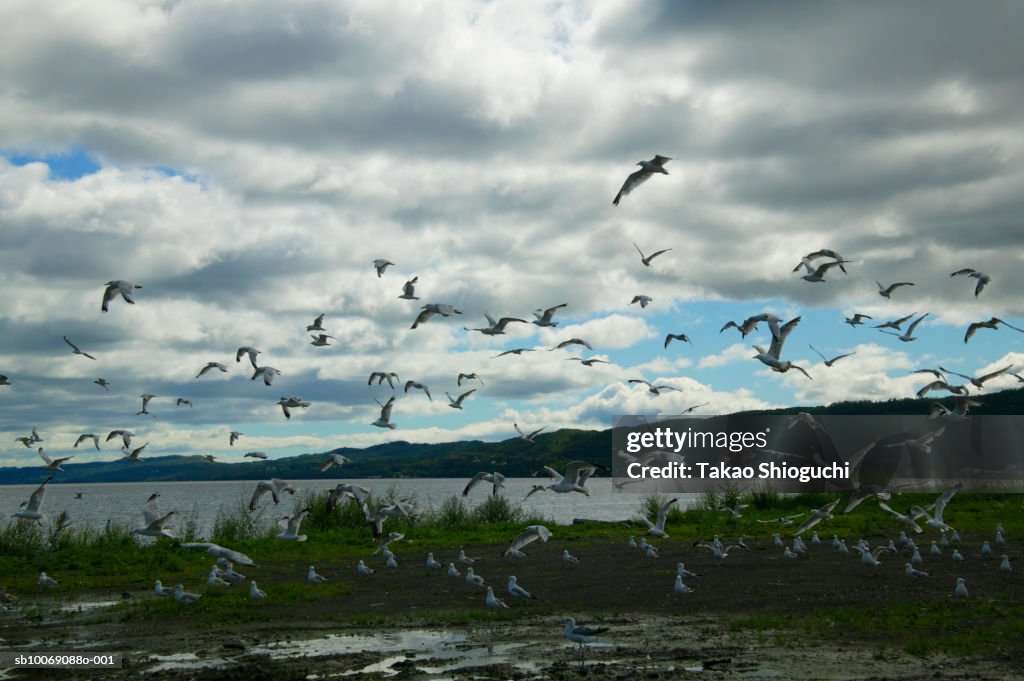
point(653, 632)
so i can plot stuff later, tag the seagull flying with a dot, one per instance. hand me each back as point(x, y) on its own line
point(457, 403)
point(431, 309)
point(528, 437)
point(886, 291)
point(75, 350)
point(384, 421)
point(31, 509)
point(637, 178)
point(418, 386)
point(52, 464)
point(87, 436)
point(291, 402)
point(497, 481)
point(857, 319)
point(380, 264)
point(124, 288)
point(212, 365)
point(496, 328)
point(992, 323)
point(646, 259)
point(677, 336)
point(543, 317)
point(982, 278)
point(829, 362)
point(275, 486)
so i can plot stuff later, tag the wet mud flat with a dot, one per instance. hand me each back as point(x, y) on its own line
point(412, 623)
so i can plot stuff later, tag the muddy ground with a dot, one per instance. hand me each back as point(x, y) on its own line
point(652, 631)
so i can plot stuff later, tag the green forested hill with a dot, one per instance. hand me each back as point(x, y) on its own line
point(513, 457)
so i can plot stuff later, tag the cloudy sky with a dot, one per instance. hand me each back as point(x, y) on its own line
point(245, 162)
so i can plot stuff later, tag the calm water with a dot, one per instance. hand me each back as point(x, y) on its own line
point(122, 501)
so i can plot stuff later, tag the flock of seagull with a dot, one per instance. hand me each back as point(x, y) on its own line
point(576, 473)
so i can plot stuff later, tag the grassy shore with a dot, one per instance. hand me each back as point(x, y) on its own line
point(829, 597)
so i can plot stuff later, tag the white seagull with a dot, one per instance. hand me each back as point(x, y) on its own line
point(657, 529)
point(267, 372)
point(291, 532)
point(527, 536)
point(52, 464)
point(114, 288)
point(275, 486)
point(496, 479)
point(256, 593)
point(155, 523)
point(431, 309)
point(409, 290)
point(457, 403)
point(247, 350)
point(982, 278)
point(528, 437)
point(212, 365)
point(75, 350)
point(418, 386)
point(543, 317)
point(185, 597)
point(384, 421)
point(35, 502)
point(381, 264)
point(519, 592)
point(220, 552)
point(886, 291)
point(637, 178)
point(496, 328)
point(334, 459)
point(291, 402)
point(317, 325)
point(646, 259)
point(88, 436)
point(493, 601)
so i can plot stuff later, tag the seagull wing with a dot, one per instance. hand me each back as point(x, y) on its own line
point(476, 479)
point(632, 182)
